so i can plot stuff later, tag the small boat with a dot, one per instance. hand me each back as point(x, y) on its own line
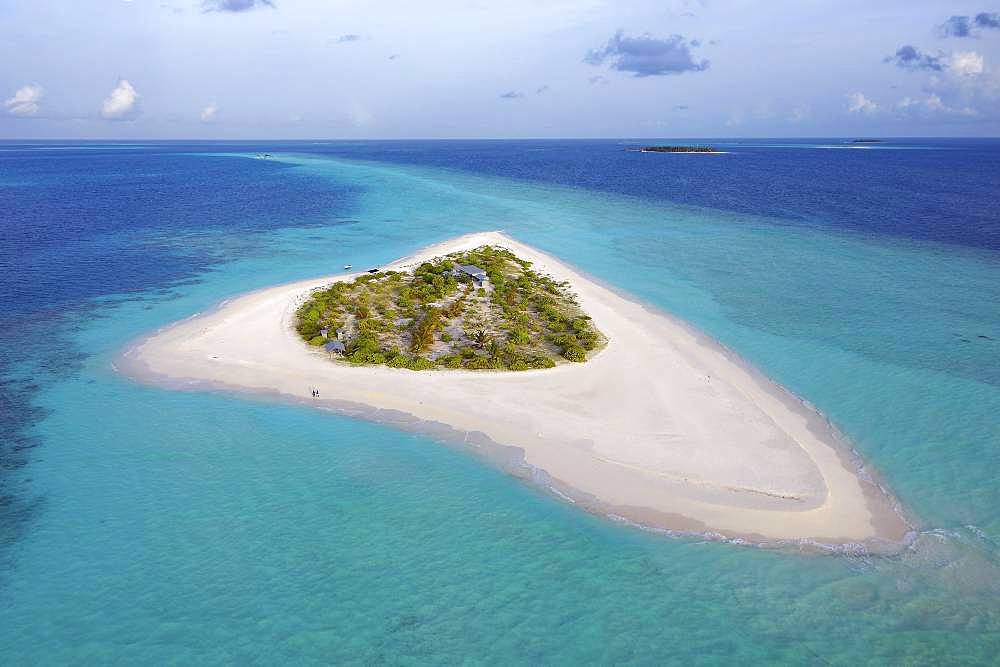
point(347, 266)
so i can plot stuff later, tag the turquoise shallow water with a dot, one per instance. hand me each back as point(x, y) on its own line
point(203, 528)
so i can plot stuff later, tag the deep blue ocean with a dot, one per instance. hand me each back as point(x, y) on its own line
point(139, 524)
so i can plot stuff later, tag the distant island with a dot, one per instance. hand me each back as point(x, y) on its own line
point(678, 149)
point(866, 141)
point(481, 309)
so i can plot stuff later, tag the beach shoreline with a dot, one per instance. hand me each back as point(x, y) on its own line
point(742, 459)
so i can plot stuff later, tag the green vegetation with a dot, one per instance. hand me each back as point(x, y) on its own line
point(438, 317)
point(678, 149)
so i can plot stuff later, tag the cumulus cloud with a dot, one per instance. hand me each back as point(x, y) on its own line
point(968, 88)
point(512, 95)
point(25, 101)
point(646, 55)
point(858, 103)
point(969, 26)
point(234, 5)
point(960, 63)
point(120, 104)
point(343, 39)
point(966, 63)
point(208, 113)
point(911, 58)
point(956, 26)
point(932, 104)
point(542, 89)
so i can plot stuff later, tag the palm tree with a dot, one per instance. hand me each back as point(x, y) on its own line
point(480, 337)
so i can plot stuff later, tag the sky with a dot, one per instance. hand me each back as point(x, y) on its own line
point(304, 69)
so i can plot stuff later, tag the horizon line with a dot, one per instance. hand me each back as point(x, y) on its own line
point(525, 138)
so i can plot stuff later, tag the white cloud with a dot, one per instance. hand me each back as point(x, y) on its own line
point(209, 112)
point(966, 63)
point(25, 100)
point(858, 103)
point(932, 104)
point(121, 103)
point(969, 88)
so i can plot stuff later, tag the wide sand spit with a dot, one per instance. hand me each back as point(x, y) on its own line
point(663, 427)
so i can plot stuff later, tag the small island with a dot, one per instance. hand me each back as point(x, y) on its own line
point(481, 309)
point(663, 427)
point(866, 141)
point(678, 149)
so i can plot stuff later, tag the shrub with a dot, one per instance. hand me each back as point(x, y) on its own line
point(451, 361)
point(550, 313)
point(370, 326)
point(308, 320)
point(423, 333)
point(362, 347)
point(519, 335)
point(317, 341)
point(564, 340)
point(404, 300)
point(588, 339)
point(420, 364)
point(542, 362)
point(479, 364)
point(455, 308)
point(446, 337)
point(308, 330)
point(574, 353)
point(399, 361)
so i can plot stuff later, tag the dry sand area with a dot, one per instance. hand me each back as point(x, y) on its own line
point(663, 427)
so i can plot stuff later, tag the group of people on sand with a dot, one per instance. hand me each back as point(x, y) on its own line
point(315, 393)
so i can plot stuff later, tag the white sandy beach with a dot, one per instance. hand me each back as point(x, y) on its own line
point(662, 427)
